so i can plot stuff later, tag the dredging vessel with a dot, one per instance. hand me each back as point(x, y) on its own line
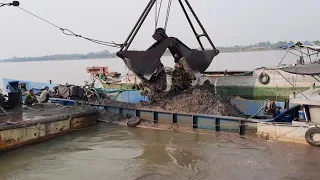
point(146, 65)
point(273, 83)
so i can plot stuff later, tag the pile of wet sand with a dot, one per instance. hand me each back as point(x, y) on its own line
point(198, 99)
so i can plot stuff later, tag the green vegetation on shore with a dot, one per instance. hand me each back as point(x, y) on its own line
point(90, 55)
point(261, 46)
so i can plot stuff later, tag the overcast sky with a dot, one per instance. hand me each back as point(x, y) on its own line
point(228, 22)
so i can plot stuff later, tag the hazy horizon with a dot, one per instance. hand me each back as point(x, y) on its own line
point(227, 23)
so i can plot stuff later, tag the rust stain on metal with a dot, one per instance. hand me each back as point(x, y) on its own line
point(7, 142)
point(82, 122)
point(2, 144)
point(62, 128)
point(10, 141)
point(75, 123)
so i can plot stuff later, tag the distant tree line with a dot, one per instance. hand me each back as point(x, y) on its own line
point(91, 55)
point(261, 46)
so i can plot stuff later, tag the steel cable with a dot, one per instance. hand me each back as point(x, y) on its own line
point(168, 14)
point(157, 14)
point(70, 33)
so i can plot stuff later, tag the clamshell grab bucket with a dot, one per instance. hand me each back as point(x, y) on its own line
point(199, 61)
point(146, 63)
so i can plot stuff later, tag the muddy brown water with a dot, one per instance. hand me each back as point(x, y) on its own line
point(116, 152)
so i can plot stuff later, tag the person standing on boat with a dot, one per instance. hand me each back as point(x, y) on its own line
point(30, 98)
point(45, 95)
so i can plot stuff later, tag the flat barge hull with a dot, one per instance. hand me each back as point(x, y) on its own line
point(188, 120)
point(17, 134)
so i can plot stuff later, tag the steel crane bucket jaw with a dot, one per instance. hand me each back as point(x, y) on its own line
point(199, 61)
point(142, 63)
point(147, 63)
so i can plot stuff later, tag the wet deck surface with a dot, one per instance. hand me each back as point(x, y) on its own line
point(30, 115)
point(115, 152)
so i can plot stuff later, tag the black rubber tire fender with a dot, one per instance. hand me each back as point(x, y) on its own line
point(264, 78)
point(309, 136)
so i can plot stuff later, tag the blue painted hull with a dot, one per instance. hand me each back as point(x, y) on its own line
point(29, 85)
point(128, 96)
point(252, 107)
point(248, 107)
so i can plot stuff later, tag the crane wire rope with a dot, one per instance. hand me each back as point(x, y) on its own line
point(168, 14)
point(166, 22)
point(157, 13)
point(71, 33)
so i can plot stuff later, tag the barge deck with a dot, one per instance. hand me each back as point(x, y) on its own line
point(37, 124)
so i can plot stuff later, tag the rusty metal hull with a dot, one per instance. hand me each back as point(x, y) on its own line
point(14, 135)
point(193, 121)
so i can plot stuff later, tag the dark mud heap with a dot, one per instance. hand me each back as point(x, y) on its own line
point(182, 97)
point(182, 77)
point(198, 99)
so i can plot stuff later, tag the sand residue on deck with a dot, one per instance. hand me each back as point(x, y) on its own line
point(200, 99)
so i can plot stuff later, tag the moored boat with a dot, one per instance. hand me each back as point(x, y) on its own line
point(274, 83)
point(301, 122)
point(261, 83)
point(118, 94)
point(113, 80)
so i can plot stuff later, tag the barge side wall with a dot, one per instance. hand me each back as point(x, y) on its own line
point(14, 136)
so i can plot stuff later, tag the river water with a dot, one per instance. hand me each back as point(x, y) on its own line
point(115, 152)
point(73, 71)
point(112, 152)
